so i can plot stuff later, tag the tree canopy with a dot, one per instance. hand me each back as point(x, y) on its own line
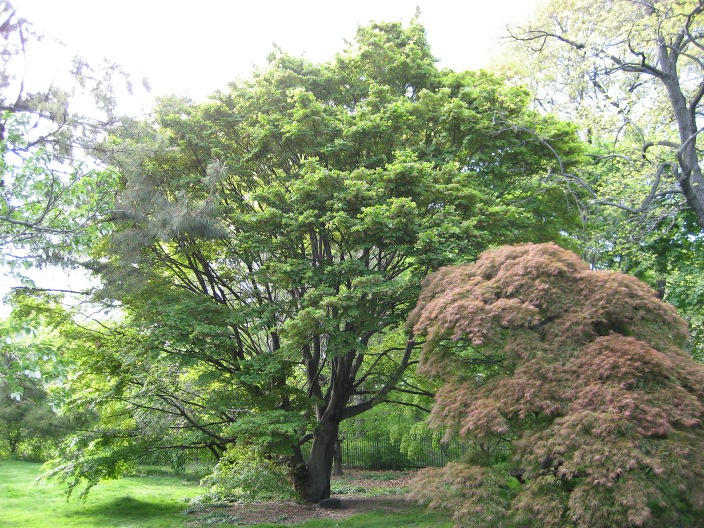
point(259, 253)
point(267, 243)
point(574, 386)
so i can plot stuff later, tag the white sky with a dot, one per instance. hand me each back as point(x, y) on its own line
point(195, 47)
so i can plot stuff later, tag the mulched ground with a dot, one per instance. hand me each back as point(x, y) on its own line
point(294, 513)
point(384, 492)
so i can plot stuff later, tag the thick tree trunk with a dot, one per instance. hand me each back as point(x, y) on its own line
point(333, 410)
point(690, 177)
point(299, 472)
point(320, 463)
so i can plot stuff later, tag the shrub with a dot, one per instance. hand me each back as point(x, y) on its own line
point(244, 474)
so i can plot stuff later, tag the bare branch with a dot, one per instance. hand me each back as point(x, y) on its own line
point(408, 404)
point(51, 290)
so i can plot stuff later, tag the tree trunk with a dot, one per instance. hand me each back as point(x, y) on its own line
point(320, 463)
point(14, 437)
point(337, 460)
point(690, 177)
point(299, 472)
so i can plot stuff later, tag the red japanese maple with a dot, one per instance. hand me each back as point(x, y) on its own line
point(573, 383)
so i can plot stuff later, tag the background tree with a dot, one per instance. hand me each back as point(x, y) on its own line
point(674, 259)
point(54, 184)
point(29, 427)
point(574, 386)
point(268, 240)
point(33, 417)
point(638, 67)
point(628, 74)
point(399, 423)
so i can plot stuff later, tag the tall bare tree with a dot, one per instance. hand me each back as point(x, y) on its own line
point(635, 68)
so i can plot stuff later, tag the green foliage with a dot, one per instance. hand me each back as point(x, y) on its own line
point(589, 388)
point(33, 419)
point(29, 427)
point(46, 209)
point(685, 289)
point(400, 422)
point(677, 265)
point(53, 196)
point(30, 344)
point(629, 74)
point(245, 474)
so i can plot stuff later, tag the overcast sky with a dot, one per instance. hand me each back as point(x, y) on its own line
point(196, 47)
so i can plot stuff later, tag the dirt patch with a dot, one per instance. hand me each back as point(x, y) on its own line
point(294, 513)
point(359, 492)
point(392, 482)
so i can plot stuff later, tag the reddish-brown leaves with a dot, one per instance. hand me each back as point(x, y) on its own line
point(475, 492)
point(583, 370)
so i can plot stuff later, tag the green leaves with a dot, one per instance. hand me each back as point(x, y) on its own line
point(54, 195)
point(249, 474)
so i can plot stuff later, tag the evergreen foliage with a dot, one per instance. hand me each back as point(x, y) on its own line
point(582, 373)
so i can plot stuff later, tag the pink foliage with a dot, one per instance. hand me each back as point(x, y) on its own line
point(582, 372)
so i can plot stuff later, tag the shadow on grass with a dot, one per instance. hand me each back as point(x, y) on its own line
point(129, 508)
point(193, 475)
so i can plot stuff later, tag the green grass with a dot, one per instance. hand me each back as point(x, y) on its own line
point(132, 502)
point(154, 499)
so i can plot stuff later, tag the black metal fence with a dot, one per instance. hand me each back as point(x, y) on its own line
point(381, 452)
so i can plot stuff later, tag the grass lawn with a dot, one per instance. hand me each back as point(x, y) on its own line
point(153, 501)
point(139, 502)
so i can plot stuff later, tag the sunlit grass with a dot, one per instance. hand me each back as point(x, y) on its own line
point(143, 502)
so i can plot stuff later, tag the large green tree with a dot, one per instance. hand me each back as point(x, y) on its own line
point(268, 240)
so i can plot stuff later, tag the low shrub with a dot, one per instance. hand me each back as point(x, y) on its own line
point(245, 474)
